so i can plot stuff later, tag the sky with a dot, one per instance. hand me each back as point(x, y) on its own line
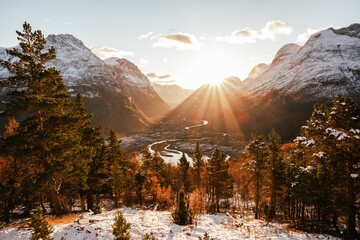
point(184, 42)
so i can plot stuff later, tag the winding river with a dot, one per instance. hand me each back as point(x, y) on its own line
point(173, 155)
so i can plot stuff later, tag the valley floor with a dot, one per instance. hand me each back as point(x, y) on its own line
point(159, 223)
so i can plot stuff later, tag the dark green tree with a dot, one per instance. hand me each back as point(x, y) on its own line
point(49, 138)
point(256, 152)
point(184, 167)
point(220, 180)
point(332, 137)
point(40, 228)
point(182, 214)
point(121, 228)
point(198, 164)
point(117, 165)
point(275, 170)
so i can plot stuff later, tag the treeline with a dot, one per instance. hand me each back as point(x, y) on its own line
point(55, 160)
point(314, 181)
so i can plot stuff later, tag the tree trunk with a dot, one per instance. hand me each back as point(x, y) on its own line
point(82, 200)
point(351, 218)
point(65, 204)
point(257, 196)
point(55, 199)
point(89, 200)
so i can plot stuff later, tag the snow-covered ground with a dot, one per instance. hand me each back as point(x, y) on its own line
point(159, 223)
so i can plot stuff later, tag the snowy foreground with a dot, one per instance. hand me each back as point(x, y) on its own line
point(159, 223)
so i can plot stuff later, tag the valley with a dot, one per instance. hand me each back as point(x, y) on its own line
point(171, 138)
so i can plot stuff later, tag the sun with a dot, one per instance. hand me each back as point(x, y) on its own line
point(211, 68)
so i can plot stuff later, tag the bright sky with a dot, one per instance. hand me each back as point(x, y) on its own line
point(187, 42)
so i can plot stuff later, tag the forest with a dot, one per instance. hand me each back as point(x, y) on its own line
point(53, 159)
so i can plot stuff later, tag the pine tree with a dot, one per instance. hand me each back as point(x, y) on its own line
point(198, 164)
point(220, 180)
point(275, 169)
point(256, 151)
point(206, 237)
point(117, 165)
point(121, 228)
point(184, 166)
point(182, 214)
point(332, 138)
point(40, 228)
point(149, 237)
point(49, 138)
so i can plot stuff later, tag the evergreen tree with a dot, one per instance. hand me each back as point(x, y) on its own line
point(332, 137)
point(117, 165)
point(220, 180)
point(182, 214)
point(275, 170)
point(139, 183)
point(149, 237)
point(40, 228)
point(121, 228)
point(256, 151)
point(48, 139)
point(206, 237)
point(184, 166)
point(97, 174)
point(198, 164)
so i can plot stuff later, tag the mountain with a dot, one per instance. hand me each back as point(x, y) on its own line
point(139, 88)
point(172, 93)
point(108, 90)
point(281, 95)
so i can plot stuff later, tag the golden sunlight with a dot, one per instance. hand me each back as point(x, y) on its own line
point(211, 68)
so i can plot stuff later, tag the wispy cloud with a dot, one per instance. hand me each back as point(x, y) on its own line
point(180, 41)
point(146, 35)
point(158, 75)
point(107, 52)
point(248, 35)
point(163, 81)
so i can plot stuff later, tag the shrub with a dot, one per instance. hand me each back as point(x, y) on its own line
point(40, 228)
point(182, 214)
point(121, 228)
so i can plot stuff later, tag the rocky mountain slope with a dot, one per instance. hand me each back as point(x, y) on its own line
point(172, 93)
point(281, 95)
point(139, 88)
point(108, 90)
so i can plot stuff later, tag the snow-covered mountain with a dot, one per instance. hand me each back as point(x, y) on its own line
point(139, 88)
point(328, 64)
point(281, 95)
point(108, 90)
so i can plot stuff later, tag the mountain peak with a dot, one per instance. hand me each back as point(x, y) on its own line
point(65, 39)
point(258, 70)
point(352, 31)
point(285, 51)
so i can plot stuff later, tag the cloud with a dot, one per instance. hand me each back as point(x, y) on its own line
point(303, 37)
point(107, 52)
point(158, 75)
point(47, 20)
point(163, 81)
point(180, 41)
point(242, 36)
point(248, 35)
point(144, 36)
point(165, 60)
point(274, 28)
